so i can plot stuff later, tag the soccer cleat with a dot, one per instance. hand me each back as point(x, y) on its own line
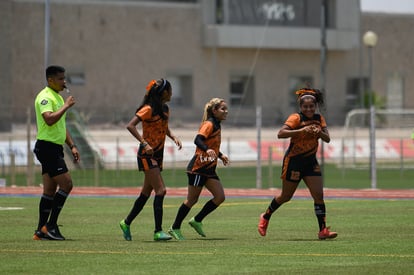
point(125, 230)
point(198, 227)
point(52, 232)
point(161, 236)
point(39, 236)
point(262, 226)
point(176, 233)
point(326, 234)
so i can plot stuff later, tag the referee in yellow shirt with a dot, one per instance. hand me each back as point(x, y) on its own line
point(52, 134)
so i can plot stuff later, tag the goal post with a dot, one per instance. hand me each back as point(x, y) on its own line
point(393, 143)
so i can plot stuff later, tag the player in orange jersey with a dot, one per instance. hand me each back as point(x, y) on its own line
point(153, 114)
point(201, 170)
point(304, 130)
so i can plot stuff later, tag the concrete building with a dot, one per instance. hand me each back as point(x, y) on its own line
point(251, 53)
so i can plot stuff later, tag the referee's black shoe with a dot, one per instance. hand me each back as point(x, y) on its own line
point(53, 232)
point(40, 236)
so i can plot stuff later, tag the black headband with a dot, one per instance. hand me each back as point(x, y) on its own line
point(164, 83)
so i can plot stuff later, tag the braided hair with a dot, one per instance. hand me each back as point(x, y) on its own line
point(315, 94)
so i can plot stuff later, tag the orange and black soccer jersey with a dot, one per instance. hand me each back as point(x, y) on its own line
point(154, 128)
point(201, 163)
point(303, 144)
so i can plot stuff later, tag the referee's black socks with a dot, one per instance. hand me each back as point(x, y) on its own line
point(58, 202)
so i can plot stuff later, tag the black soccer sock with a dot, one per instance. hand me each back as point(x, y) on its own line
point(181, 214)
point(136, 209)
point(58, 202)
point(209, 207)
point(320, 212)
point(272, 208)
point(158, 212)
point(45, 206)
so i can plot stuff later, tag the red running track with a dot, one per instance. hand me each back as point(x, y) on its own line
point(230, 192)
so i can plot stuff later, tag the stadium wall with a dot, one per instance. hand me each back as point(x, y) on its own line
point(112, 48)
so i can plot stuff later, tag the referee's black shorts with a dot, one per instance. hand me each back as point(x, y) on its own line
point(51, 158)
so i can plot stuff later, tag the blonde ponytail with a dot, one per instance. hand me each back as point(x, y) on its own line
point(210, 106)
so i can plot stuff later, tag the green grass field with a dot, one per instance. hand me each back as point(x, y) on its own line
point(375, 237)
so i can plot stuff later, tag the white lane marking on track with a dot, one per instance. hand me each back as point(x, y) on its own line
point(10, 208)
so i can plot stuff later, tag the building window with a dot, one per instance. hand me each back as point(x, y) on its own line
point(302, 13)
point(182, 87)
point(219, 12)
point(242, 91)
point(395, 91)
point(296, 83)
point(355, 88)
point(75, 78)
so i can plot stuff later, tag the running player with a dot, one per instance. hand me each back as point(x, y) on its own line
point(304, 130)
point(201, 170)
point(153, 113)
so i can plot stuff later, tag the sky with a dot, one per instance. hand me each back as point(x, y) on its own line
point(389, 6)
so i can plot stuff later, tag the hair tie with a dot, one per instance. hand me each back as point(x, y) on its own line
point(305, 91)
point(150, 85)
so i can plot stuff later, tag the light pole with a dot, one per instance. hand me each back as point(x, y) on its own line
point(47, 33)
point(370, 41)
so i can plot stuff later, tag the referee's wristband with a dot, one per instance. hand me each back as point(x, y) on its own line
point(72, 146)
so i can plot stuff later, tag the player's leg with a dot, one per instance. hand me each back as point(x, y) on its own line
point(195, 186)
point(64, 182)
point(45, 206)
point(58, 178)
point(315, 186)
point(193, 193)
point(153, 177)
point(137, 207)
point(291, 176)
point(216, 189)
point(144, 164)
point(288, 189)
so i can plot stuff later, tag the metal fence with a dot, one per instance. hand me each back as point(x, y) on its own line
point(114, 159)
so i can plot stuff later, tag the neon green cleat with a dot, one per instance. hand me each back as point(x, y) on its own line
point(161, 236)
point(198, 227)
point(176, 233)
point(125, 230)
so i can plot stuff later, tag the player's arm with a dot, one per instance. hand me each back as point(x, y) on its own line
point(132, 128)
point(287, 132)
point(174, 138)
point(291, 127)
point(224, 158)
point(199, 141)
point(53, 117)
point(72, 146)
point(324, 135)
